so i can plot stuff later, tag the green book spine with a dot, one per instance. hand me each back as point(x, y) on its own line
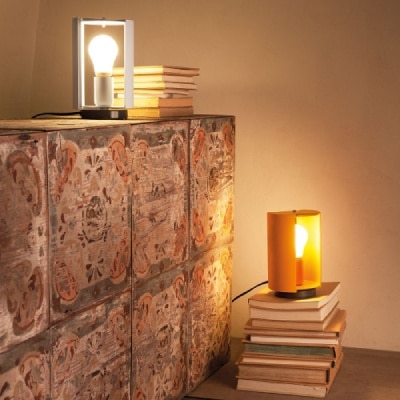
point(311, 351)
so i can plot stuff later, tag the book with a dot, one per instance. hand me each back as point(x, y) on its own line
point(336, 323)
point(293, 340)
point(331, 335)
point(151, 102)
point(286, 373)
point(266, 298)
point(154, 78)
point(299, 325)
point(159, 112)
point(317, 314)
point(159, 69)
point(262, 359)
point(159, 85)
point(283, 350)
point(118, 92)
point(163, 78)
point(290, 388)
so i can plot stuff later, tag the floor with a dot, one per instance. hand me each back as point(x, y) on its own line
point(364, 375)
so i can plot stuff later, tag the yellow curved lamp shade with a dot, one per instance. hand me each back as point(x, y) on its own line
point(294, 251)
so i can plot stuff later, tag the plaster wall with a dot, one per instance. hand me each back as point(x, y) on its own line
point(315, 90)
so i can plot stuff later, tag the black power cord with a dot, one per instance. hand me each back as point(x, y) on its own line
point(249, 290)
point(54, 114)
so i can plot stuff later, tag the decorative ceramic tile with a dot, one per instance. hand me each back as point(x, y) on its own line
point(159, 338)
point(25, 370)
point(90, 225)
point(211, 176)
point(91, 353)
point(160, 195)
point(209, 313)
point(24, 297)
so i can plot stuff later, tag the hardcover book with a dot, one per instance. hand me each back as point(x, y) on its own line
point(331, 335)
point(319, 390)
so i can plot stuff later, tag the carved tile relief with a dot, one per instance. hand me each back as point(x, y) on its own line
point(159, 338)
point(23, 238)
point(25, 370)
point(209, 313)
point(160, 186)
point(90, 226)
point(91, 353)
point(211, 176)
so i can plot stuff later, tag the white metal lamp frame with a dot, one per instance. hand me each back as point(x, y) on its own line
point(92, 111)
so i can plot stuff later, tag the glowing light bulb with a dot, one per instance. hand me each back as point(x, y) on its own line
point(301, 238)
point(103, 50)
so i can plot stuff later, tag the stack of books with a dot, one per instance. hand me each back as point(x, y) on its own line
point(293, 346)
point(159, 91)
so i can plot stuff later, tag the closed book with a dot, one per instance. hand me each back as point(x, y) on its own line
point(331, 335)
point(284, 373)
point(262, 359)
point(289, 388)
point(157, 85)
point(321, 351)
point(119, 92)
point(266, 298)
point(300, 325)
point(317, 314)
point(159, 69)
point(163, 78)
point(159, 112)
point(152, 102)
point(160, 85)
point(155, 78)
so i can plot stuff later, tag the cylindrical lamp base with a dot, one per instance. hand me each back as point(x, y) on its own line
point(104, 113)
point(300, 294)
point(103, 91)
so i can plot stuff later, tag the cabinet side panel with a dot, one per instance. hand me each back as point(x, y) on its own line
point(209, 311)
point(24, 296)
point(212, 157)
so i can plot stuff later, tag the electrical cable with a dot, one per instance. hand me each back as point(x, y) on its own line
point(61, 114)
point(249, 290)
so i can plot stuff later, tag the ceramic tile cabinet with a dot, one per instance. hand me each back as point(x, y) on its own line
point(115, 256)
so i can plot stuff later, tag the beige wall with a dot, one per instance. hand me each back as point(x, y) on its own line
point(315, 89)
point(18, 22)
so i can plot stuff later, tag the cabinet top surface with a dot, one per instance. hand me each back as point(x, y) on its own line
point(10, 126)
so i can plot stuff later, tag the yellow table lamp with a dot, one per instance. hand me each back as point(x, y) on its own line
point(294, 253)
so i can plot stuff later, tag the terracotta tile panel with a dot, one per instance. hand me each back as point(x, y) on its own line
point(90, 225)
point(25, 370)
point(209, 310)
point(24, 296)
point(211, 177)
point(160, 198)
point(91, 352)
point(159, 338)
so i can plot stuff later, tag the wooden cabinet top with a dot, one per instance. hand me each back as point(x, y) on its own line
point(15, 126)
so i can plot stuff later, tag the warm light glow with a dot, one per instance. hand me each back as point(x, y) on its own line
point(294, 254)
point(301, 237)
point(103, 50)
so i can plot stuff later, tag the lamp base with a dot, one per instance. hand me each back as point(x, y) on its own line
point(300, 294)
point(104, 113)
